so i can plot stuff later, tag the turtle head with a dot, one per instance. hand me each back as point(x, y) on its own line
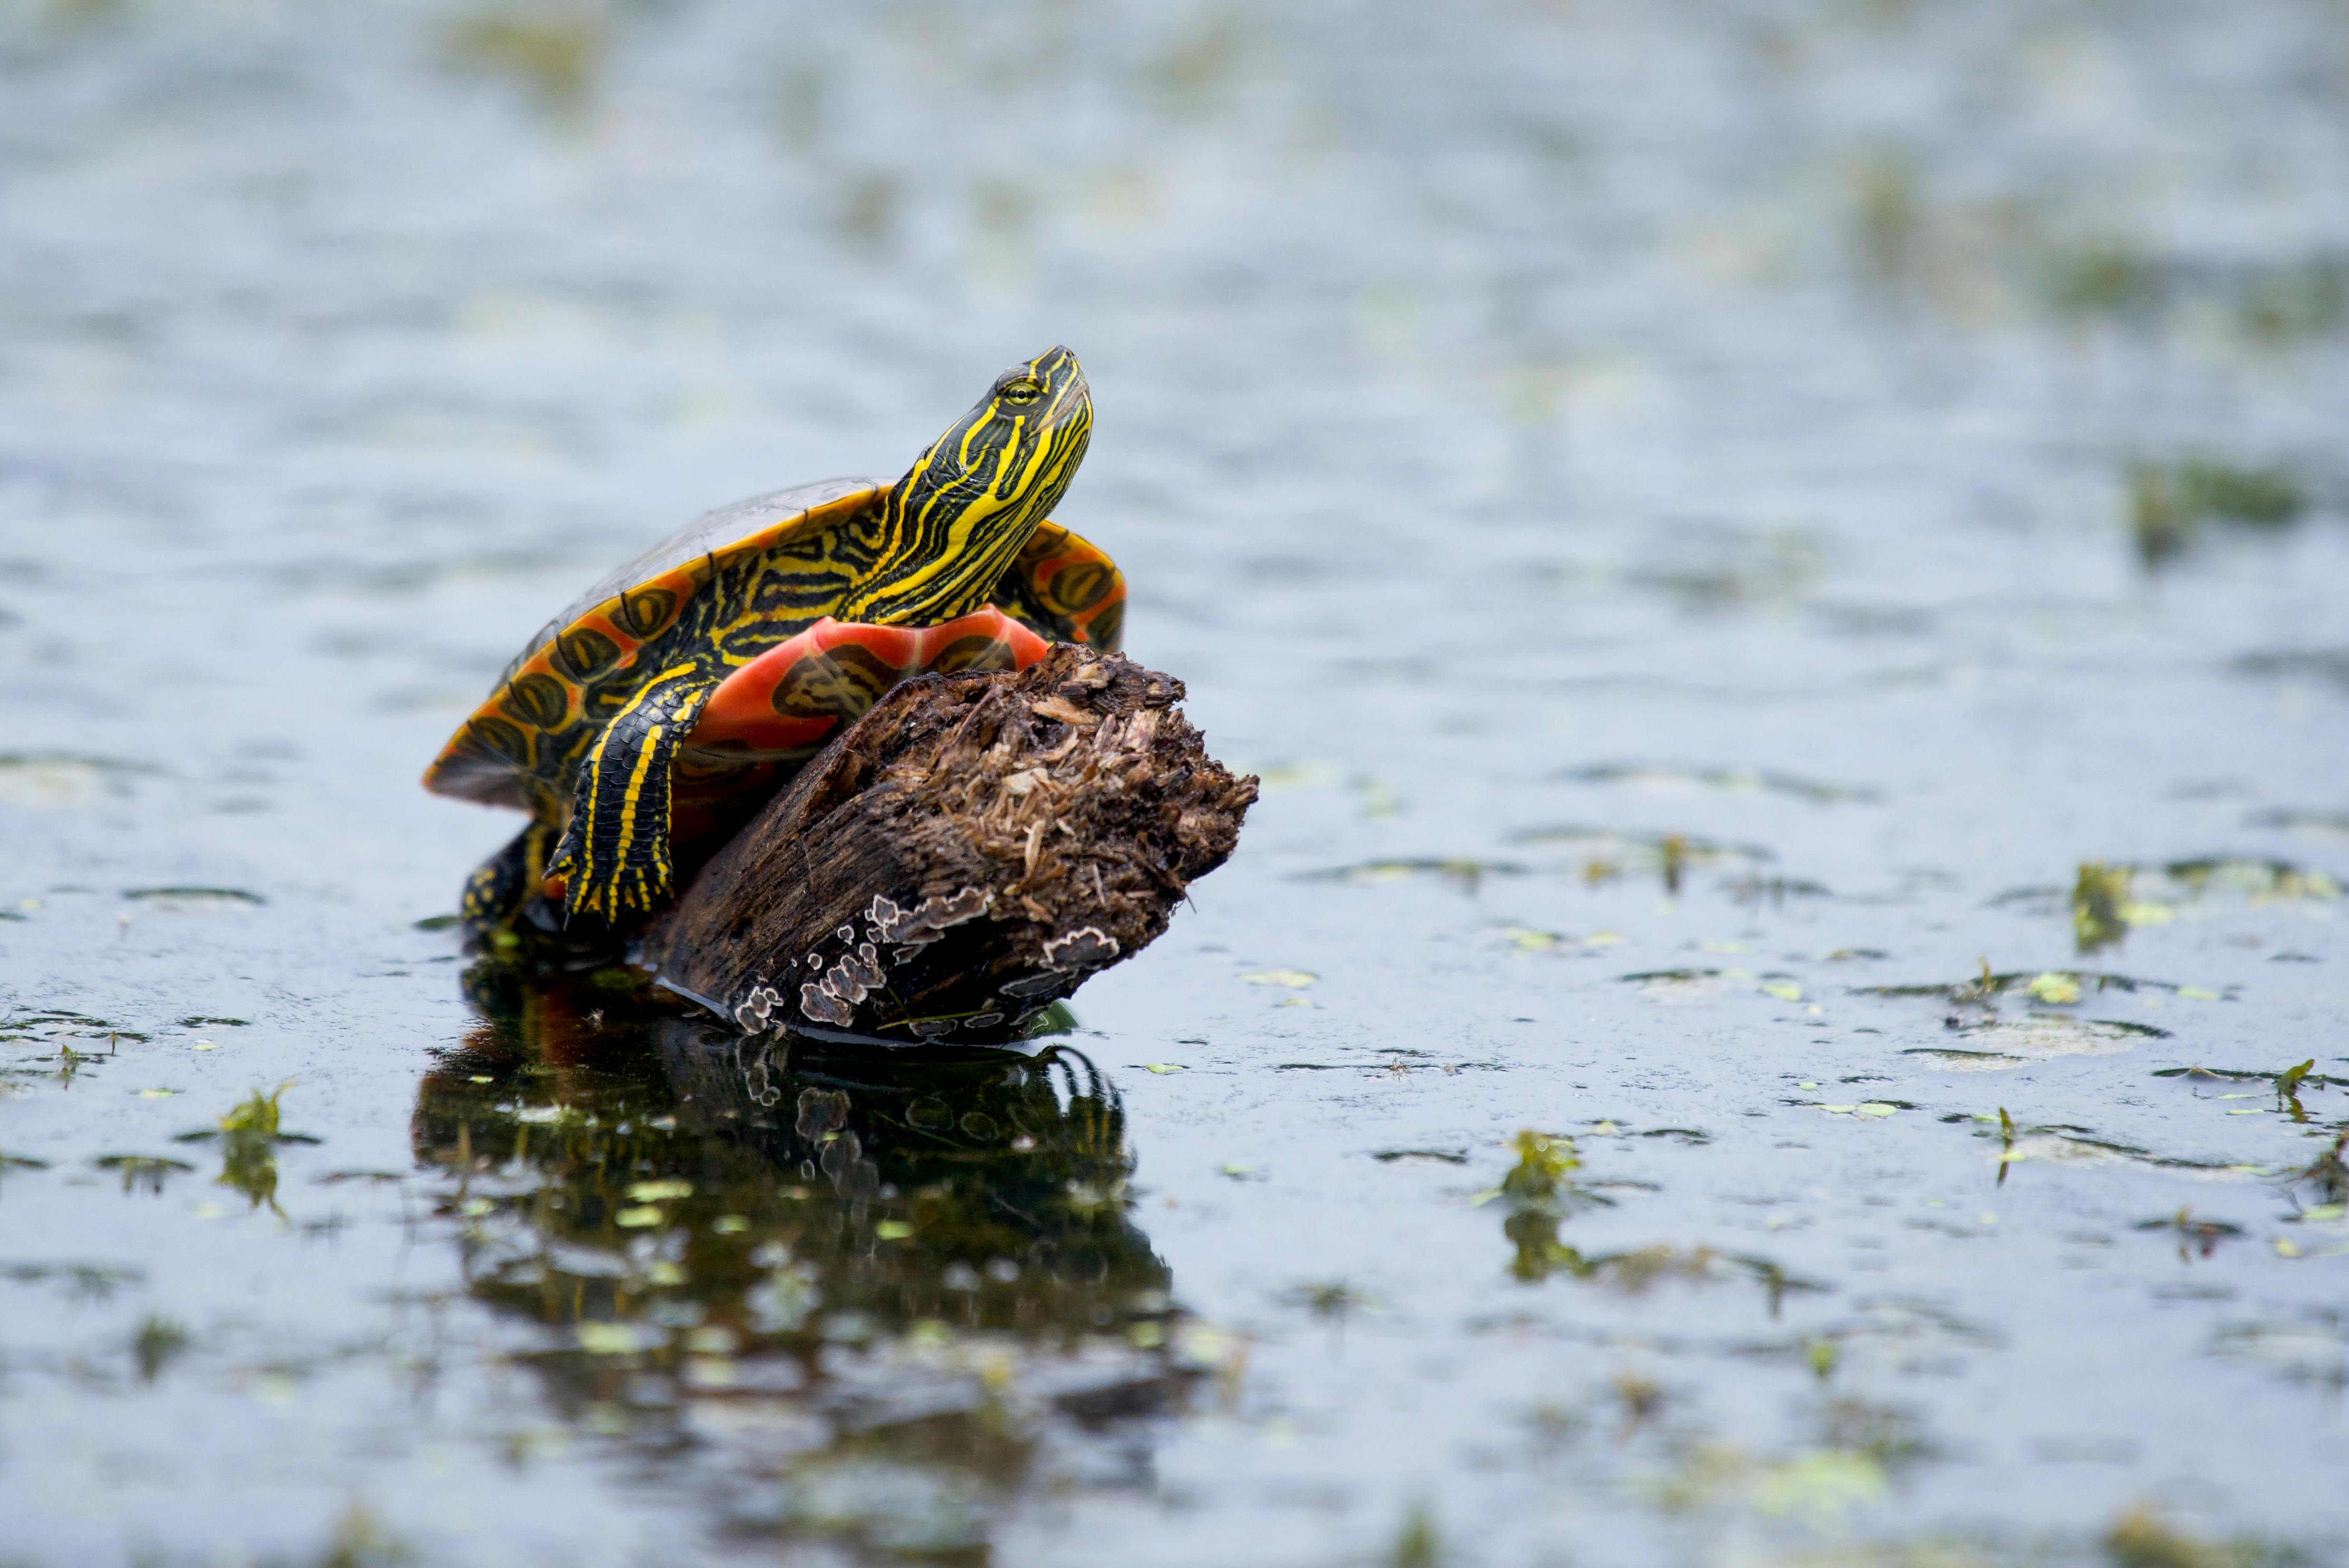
point(963, 512)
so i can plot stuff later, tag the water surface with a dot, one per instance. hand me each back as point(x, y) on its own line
point(1704, 517)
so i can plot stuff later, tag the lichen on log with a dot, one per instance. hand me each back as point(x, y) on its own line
point(965, 854)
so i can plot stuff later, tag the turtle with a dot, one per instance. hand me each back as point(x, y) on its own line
point(670, 699)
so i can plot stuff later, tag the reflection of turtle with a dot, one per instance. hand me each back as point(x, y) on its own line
point(986, 1188)
point(669, 699)
point(889, 1285)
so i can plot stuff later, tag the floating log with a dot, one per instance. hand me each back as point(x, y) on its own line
point(965, 854)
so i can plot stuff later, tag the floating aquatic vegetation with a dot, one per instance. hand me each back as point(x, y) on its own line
point(1533, 939)
point(1418, 1544)
point(1377, 799)
point(59, 1027)
point(2323, 824)
point(1820, 1487)
point(2310, 1348)
point(2327, 1176)
point(2061, 1144)
point(1954, 1061)
point(1974, 1007)
point(2099, 899)
point(360, 1540)
point(1663, 777)
point(1462, 872)
point(555, 52)
point(1332, 1301)
point(1752, 890)
point(2007, 252)
point(2171, 505)
point(2144, 1538)
point(1395, 1065)
point(1640, 1270)
point(1537, 1194)
point(157, 1343)
point(2260, 881)
point(2053, 987)
point(82, 1281)
point(2327, 665)
point(248, 1135)
point(1539, 1178)
point(1720, 570)
point(1893, 1436)
point(2107, 900)
point(61, 1030)
point(1602, 855)
point(1697, 987)
point(2194, 1235)
point(59, 779)
point(1907, 1337)
point(147, 1171)
point(193, 898)
point(2289, 1083)
point(2043, 1035)
point(1689, 988)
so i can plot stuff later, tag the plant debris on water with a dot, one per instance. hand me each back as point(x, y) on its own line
point(2171, 505)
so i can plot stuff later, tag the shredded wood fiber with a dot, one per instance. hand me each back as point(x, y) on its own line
point(969, 852)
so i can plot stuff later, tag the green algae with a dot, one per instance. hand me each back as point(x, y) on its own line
point(2173, 504)
point(1464, 873)
point(142, 1172)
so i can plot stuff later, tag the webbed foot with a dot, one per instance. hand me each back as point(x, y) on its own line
point(502, 887)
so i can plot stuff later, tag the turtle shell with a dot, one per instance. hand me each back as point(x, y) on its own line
point(501, 756)
point(778, 707)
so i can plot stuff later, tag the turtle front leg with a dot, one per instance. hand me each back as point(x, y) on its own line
point(615, 855)
point(499, 887)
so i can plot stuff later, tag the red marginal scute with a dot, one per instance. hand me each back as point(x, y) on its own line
point(1080, 553)
point(767, 718)
point(745, 712)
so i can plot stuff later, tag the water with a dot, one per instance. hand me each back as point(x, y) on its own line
point(1704, 517)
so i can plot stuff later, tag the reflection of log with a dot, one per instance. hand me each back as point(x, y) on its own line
point(968, 853)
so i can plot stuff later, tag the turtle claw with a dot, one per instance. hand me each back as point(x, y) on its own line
point(501, 889)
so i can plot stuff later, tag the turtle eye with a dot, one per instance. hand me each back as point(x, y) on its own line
point(1020, 393)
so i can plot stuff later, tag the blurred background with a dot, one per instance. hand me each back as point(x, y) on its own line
point(1638, 482)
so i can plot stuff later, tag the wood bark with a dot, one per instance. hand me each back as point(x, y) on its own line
point(965, 854)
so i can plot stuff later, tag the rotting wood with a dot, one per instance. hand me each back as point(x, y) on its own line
point(968, 854)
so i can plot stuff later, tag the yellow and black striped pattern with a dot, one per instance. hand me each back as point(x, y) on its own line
point(585, 725)
point(961, 515)
point(615, 854)
point(1064, 588)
